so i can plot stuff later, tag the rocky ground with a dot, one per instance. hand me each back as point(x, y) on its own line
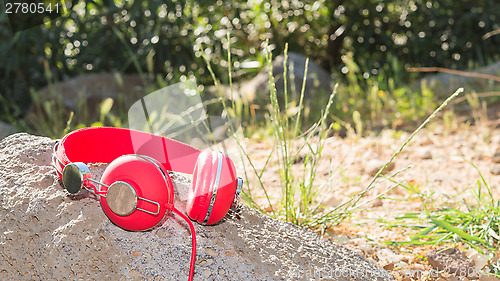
point(437, 164)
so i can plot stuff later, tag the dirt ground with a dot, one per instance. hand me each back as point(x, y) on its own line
point(437, 162)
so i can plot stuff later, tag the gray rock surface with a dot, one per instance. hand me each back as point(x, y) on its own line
point(451, 260)
point(46, 234)
point(443, 84)
point(6, 129)
point(89, 90)
point(318, 82)
point(496, 156)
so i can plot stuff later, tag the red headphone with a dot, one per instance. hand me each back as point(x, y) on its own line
point(135, 190)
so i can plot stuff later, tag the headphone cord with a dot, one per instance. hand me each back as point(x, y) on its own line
point(193, 238)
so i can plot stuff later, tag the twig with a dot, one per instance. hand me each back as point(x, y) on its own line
point(491, 33)
point(479, 95)
point(452, 71)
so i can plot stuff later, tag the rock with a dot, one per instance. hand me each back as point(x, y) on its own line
point(445, 83)
point(90, 90)
point(377, 202)
point(387, 257)
point(451, 260)
point(425, 153)
point(389, 260)
point(46, 234)
point(496, 156)
point(479, 259)
point(6, 129)
point(495, 169)
point(374, 165)
point(488, 278)
point(318, 82)
point(366, 248)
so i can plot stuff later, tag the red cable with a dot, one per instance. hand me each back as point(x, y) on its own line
point(193, 238)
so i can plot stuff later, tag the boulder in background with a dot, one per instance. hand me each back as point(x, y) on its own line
point(6, 129)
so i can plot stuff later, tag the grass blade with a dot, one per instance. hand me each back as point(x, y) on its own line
point(443, 224)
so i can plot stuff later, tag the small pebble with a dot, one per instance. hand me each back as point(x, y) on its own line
point(387, 256)
point(374, 165)
point(136, 254)
point(496, 156)
point(366, 248)
point(211, 252)
point(479, 259)
point(206, 262)
point(495, 170)
point(377, 202)
point(449, 259)
point(425, 154)
point(488, 278)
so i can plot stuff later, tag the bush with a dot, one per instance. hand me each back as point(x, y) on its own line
point(96, 36)
point(167, 38)
point(419, 33)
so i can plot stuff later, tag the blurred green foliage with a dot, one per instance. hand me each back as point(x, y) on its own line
point(442, 33)
point(167, 39)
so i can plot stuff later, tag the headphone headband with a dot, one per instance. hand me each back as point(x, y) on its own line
point(104, 144)
point(131, 184)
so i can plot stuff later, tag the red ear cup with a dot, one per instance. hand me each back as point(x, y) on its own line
point(226, 192)
point(137, 192)
point(214, 188)
point(203, 177)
